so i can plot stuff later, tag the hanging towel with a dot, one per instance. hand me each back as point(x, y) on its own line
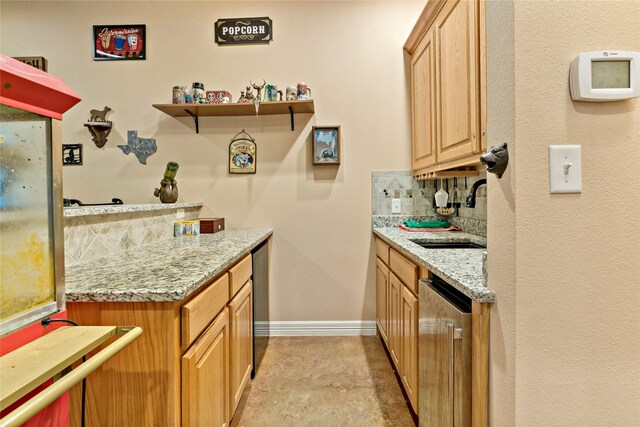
point(426, 224)
point(405, 228)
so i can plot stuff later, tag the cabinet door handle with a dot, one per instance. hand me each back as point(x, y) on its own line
point(484, 132)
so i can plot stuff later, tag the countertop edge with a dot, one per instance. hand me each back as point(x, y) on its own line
point(73, 212)
point(484, 295)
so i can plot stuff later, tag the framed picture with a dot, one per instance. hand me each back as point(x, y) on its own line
point(71, 154)
point(119, 42)
point(326, 145)
point(242, 154)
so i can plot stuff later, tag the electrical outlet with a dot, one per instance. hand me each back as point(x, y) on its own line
point(396, 206)
point(180, 213)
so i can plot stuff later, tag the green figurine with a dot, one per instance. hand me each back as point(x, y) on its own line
point(168, 191)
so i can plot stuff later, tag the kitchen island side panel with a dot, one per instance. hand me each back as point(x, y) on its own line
point(141, 385)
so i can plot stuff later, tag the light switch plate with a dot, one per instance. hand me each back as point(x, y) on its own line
point(565, 169)
point(396, 206)
point(180, 213)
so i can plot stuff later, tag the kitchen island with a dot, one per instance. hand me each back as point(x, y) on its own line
point(192, 296)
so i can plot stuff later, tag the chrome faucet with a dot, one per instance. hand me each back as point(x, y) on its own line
point(471, 198)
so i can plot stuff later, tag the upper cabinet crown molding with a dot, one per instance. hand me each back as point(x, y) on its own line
point(425, 20)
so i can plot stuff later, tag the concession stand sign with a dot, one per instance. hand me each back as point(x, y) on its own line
point(244, 31)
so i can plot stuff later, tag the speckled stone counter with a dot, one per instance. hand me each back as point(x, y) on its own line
point(461, 268)
point(70, 212)
point(168, 270)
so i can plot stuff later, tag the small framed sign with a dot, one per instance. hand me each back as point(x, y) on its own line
point(326, 145)
point(71, 154)
point(242, 154)
point(119, 42)
point(244, 31)
point(38, 62)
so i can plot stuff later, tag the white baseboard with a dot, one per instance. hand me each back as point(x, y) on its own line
point(331, 328)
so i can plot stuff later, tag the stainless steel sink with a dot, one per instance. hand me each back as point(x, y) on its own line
point(449, 245)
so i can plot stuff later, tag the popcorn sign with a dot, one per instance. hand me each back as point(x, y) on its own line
point(244, 31)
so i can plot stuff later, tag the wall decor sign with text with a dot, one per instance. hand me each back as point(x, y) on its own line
point(119, 42)
point(242, 154)
point(38, 62)
point(244, 31)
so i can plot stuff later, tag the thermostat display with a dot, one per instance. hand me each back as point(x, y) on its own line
point(605, 76)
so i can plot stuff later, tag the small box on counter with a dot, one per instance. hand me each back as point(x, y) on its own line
point(211, 225)
point(186, 228)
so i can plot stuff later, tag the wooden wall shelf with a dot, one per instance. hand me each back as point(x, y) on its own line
point(245, 109)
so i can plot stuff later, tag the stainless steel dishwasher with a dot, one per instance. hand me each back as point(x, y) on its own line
point(260, 265)
point(444, 363)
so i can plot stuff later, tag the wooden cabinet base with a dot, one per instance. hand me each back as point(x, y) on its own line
point(138, 387)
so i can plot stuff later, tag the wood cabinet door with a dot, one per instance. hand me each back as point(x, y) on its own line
point(241, 327)
point(423, 104)
point(395, 295)
point(382, 298)
point(409, 342)
point(205, 377)
point(457, 80)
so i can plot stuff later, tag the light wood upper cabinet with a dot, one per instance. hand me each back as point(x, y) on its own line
point(457, 72)
point(447, 78)
point(241, 320)
point(423, 111)
point(205, 377)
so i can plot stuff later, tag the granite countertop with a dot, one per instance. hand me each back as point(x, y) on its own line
point(461, 268)
point(167, 270)
point(115, 209)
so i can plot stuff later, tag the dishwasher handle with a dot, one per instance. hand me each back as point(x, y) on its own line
point(453, 334)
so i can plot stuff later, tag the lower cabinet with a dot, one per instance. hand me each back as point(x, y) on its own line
point(395, 294)
point(382, 299)
point(398, 315)
point(241, 315)
point(397, 318)
point(409, 343)
point(205, 377)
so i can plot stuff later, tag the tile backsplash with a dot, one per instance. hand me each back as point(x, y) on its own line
point(94, 236)
point(416, 198)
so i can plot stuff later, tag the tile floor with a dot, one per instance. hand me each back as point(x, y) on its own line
point(323, 382)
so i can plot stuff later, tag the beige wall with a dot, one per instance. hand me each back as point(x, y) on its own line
point(350, 54)
point(501, 213)
point(566, 327)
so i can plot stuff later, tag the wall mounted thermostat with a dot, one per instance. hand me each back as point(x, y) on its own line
point(605, 76)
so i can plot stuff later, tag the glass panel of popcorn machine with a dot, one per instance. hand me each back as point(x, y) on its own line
point(26, 225)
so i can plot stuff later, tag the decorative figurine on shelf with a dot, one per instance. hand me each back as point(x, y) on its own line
point(99, 115)
point(168, 191)
point(258, 89)
point(247, 96)
point(99, 127)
